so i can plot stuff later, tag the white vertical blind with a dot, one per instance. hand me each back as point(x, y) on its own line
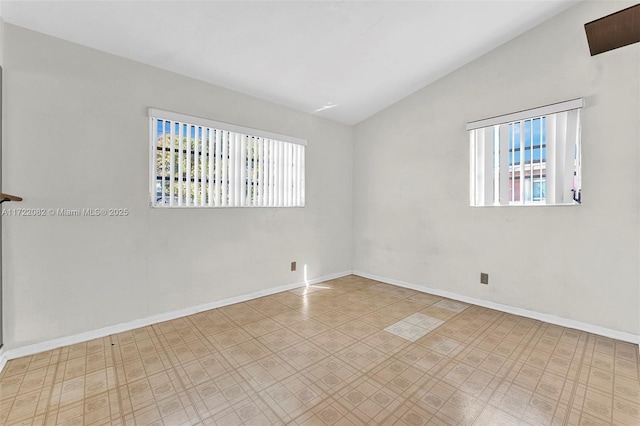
point(262, 178)
point(480, 176)
point(163, 170)
point(564, 158)
point(496, 165)
point(188, 174)
point(242, 180)
point(533, 159)
point(560, 142)
point(232, 182)
point(551, 159)
point(210, 178)
point(194, 164)
point(204, 143)
point(196, 161)
point(224, 179)
point(301, 182)
point(172, 176)
point(578, 163)
point(271, 174)
point(180, 164)
point(280, 180)
point(287, 173)
point(153, 167)
point(487, 166)
point(217, 179)
point(472, 169)
point(523, 162)
point(483, 141)
point(570, 155)
point(503, 160)
point(300, 179)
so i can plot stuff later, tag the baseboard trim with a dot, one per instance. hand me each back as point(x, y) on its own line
point(143, 322)
point(551, 319)
point(3, 359)
point(6, 355)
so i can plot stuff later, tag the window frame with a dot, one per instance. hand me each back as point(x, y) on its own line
point(269, 139)
point(489, 137)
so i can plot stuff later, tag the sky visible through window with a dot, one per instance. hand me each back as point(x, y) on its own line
point(534, 141)
point(509, 156)
point(164, 127)
point(527, 142)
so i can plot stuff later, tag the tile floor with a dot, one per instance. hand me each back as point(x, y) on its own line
point(321, 356)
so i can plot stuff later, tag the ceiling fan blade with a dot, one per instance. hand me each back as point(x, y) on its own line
point(613, 31)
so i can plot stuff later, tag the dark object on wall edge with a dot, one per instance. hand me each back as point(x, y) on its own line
point(610, 32)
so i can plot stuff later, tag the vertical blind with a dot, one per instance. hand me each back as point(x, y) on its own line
point(197, 162)
point(527, 158)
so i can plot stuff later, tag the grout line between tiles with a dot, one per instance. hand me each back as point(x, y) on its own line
point(436, 373)
point(575, 385)
point(515, 357)
point(53, 384)
point(175, 371)
point(115, 377)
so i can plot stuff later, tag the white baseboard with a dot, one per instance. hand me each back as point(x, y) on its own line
point(143, 322)
point(552, 319)
point(27, 350)
point(3, 359)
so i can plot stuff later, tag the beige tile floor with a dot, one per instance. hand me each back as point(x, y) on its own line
point(320, 355)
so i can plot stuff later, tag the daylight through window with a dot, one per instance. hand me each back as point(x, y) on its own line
point(197, 162)
point(531, 157)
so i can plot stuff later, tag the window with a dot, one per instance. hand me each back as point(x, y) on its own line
point(197, 162)
point(530, 157)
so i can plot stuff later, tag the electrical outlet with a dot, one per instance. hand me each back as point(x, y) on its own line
point(293, 266)
point(484, 278)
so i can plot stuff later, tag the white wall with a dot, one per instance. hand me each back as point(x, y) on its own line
point(76, 135)
point(412, 220)
point(1, 106)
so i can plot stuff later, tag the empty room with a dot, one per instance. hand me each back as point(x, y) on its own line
point(320, 212)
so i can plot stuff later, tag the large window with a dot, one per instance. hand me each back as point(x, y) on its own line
point(530, 157)
point(197, 162)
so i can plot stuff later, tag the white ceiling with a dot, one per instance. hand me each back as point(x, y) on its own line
point(360, 56)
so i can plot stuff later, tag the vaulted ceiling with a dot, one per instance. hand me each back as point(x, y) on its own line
point(345, 60)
